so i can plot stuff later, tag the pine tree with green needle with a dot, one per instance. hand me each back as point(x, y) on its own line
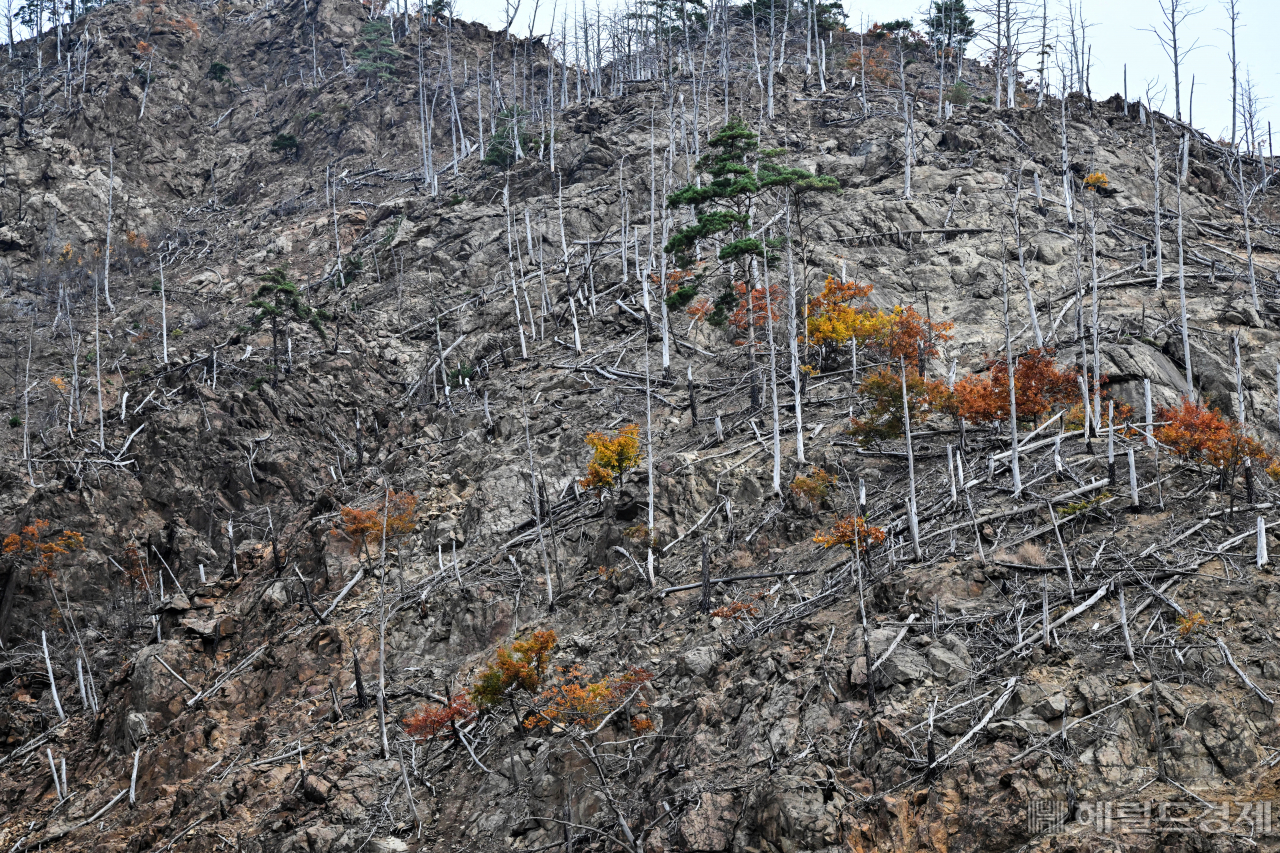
point(278, 300)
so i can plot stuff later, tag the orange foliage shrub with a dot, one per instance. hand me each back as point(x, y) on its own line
point(1095, 181)
point(133, 567)
point(1074, 418)
point(581, 704)
point(735, 610)
point(136, 241)
point(364, 527)
point(1039, 385)
point(850, 531)
point(883, 418)
point(186, 25)
point(31, 542)
point(907, 333)
point(765, 305)
point(143, 48)
point(430, 722)
point(878, 65)
point(614, 456)
point(813, 487)
point(701, 309)
point(523, 665)
point(1196, 433)
point(1191, 624)
point(674, 279)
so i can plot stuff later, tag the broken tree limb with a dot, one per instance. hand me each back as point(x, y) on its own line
point(898, 639)
point(53, 685)
point(940, 714)
point(1174, 541)
point(297, 750)
point(342, 594)
point(67, 830)
point(175, 674)
point(217, 685)
point(1066, 728)
point(699, 523)
point(689, 586)
point(1026, 445)
point(1226, 653)
point(1066, 617)
point(982, 724)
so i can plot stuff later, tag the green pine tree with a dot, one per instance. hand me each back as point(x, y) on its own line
point(949, 26)
point(278, 300)
point(376, 59)
point(740, 172)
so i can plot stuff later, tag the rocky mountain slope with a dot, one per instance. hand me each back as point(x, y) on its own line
point(220, 638)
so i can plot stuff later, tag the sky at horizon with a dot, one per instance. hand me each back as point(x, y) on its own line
point(1120, 32)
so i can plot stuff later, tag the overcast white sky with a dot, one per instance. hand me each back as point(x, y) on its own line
point(1119, 36)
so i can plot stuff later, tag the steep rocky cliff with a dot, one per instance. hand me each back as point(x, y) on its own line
point(221, 637)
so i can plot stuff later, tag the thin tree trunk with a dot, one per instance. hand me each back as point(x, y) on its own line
point(1182, 300)
point(793, 335)
point(773, 379)
point(911, 472)
point(53, 685)
point(1022, 265)
point(1159, 247)
point(106, 266)
point(1013, 397)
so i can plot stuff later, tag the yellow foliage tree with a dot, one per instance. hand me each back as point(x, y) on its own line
point(899, 333)
point(614, 455)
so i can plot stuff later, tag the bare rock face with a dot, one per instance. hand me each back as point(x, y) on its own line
point(297, 463)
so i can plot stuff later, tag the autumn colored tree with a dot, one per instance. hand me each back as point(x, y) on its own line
point(758, 307)
point(875, 64)
point(1197, 433)
point(701, 309)
point(576, 702)
point(33, 546)
point(850, 532)
point(906, 333)
point(365, 529)
point(1095, 181)
point(523, 666)
point(812, 488)
point(613, 456)
point(735, 610)
point(882, 418)
point(833, 318)
point(438, 721)
point(898, 333)
point(1039, 385)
